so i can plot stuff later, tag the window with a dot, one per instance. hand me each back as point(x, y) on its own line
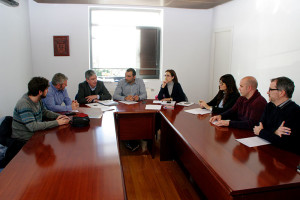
point(122, 39)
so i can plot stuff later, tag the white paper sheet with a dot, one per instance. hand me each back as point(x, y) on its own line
point(253, 141)
point(128, 102)
point(157, 101)
point(97, 105)
point(197, 111)
point(108, 103)
point(91, 112)
point(184, 103)
point(153, 107)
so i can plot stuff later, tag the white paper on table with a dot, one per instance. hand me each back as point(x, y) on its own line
point(253, 141)
point(197, 111)
point(157, 101)
point(91, 112)
point(128, 102)
point(153, 107)
point(97, 105)
point(185, 103)
point(94, 105)
point(108, 103)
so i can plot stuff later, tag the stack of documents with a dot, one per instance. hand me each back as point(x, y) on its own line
point(168, 104)
point(197, 111)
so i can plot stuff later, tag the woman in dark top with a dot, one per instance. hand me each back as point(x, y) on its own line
point(226, 97)
point(170, 89)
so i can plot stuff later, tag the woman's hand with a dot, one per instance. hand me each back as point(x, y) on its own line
point(203, 104)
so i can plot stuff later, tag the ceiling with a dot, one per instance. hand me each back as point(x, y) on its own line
point(192, 4)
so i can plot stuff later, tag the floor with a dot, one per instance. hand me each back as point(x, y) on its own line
point(147, 178)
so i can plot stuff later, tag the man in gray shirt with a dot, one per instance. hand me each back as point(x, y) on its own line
point(130, 88)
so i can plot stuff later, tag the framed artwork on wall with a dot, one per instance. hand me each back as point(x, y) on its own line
point(61, 45)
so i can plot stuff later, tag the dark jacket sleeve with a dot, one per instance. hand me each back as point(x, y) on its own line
point(163, 93)
point(102, 91)
point(289, 142)
point(232, 112)
point(177, 93)
point(229, 103)
point(213, 102)
point(81, 94)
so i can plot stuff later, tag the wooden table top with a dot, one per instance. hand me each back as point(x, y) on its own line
point(67, 163)
point(241, 168)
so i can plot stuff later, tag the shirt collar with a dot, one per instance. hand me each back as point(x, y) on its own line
point(54, 88)
point(91, 87)
point(284, 103)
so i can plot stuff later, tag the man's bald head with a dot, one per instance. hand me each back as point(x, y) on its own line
point(251, 81)
point(248, 86)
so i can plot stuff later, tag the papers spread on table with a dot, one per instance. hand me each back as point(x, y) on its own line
point(97, 105)
point(153, 107)
point(92, 113)
point(253, 141)
point(185, 103)
point(157, 101)
point(197, 111)
point(128, 102)
point(108, 102)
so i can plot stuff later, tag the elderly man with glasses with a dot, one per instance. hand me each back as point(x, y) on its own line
point(280, 121)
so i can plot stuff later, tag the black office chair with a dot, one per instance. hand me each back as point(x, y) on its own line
point(13, 145)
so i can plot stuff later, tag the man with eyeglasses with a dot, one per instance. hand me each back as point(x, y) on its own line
point(280, 121)
point(57, 94)
point(247, 110)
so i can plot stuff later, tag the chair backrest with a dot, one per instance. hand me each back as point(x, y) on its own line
point(5, 130)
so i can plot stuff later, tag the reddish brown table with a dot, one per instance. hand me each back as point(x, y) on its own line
point(224, 168)
point(133, 122)
point(67, 163)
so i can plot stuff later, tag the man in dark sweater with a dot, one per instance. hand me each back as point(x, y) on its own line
point(247, 110)
point(91, 90)
point(279, 123)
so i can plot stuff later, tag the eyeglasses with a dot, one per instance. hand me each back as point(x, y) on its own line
point(221, 83)
point(271, 89)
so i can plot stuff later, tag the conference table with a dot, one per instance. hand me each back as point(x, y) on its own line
point(84, 163)
point(222, 167)
point(67, 163)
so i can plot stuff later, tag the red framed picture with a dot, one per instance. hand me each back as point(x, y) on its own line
point(61, 45)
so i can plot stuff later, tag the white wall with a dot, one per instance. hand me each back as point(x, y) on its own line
point(15, 55)
point(266, 42)
point(186, 45)
point(186, 48)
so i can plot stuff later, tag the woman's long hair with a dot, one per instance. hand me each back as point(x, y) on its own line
point(228, 79)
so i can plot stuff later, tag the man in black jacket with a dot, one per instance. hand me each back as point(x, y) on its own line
point(91, 90)
point(280, 121)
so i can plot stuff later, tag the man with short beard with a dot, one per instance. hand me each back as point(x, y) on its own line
point(30, 111)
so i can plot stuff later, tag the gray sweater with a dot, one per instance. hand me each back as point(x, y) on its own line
point(27, 118)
